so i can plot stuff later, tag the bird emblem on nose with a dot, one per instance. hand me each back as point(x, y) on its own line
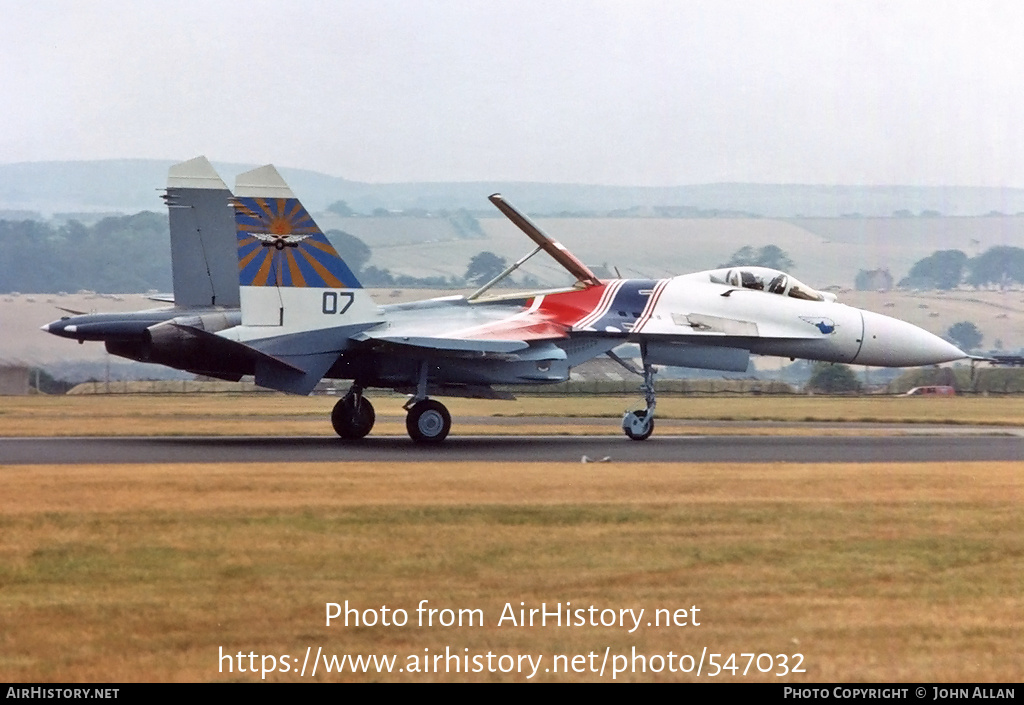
point(826, 325)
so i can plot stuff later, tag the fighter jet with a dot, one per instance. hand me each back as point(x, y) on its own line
point(205, 279)
point(305, 316)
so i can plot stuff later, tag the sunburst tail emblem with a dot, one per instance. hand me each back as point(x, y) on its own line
point(279, 244)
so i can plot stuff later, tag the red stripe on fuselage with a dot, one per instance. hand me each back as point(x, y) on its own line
point(652, 302)
point(543, 317)
point(570, 307)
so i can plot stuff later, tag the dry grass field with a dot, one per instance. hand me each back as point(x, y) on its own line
point(870, 572)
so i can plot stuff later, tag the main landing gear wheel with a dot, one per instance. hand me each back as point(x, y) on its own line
point(428, 421)
point(638, 425)
point(353, 417)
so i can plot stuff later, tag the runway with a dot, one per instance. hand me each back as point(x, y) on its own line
point(515, 449)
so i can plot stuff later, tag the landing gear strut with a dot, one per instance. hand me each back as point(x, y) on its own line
point(639, 425)
point(353, 415)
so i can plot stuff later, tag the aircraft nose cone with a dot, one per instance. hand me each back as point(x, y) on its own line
point(888, 342)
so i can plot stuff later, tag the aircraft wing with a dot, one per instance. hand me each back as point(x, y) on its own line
point(480, 328)
point(456, 345)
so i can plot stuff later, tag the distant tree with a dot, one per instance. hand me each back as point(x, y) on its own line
point(774, 257)
point(375, 276)
point(873, 280)
point(833, 379)
point(465, 224)
point(1001, 265)
point(965, 334)
point(940, 270)
point(768, 256)
point(484, 267)
point(353, 250)
point(743, 256)
point(341, 208)
point(116, 254)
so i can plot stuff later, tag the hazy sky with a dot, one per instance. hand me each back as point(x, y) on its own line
point(645, 92)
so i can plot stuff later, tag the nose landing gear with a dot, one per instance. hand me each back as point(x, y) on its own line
point(639, 424)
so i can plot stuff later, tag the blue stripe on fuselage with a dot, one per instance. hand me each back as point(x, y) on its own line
point(627, 306)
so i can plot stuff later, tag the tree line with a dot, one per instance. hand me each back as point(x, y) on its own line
point(1000, 266)
point(116, 254)
point(132, 253)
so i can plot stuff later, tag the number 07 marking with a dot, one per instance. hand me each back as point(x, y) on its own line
point(330, 302)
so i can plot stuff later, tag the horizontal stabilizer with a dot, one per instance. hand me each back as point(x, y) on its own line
point(295, 362)
point(225, 347)
point(295, 374)
point(298, 374)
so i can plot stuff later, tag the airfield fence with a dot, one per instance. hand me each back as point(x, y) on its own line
point(168, 386)
point(572, 388)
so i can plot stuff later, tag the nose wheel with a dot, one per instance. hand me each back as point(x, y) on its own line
point(639, 425)
point(428, 421)
point(353, 416)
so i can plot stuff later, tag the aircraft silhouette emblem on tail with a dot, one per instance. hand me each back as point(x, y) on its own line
point(279, 244)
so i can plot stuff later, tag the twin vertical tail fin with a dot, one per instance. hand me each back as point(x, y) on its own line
point(279, 244)
point(290, 275)
point(301, 304)
point(203, 267)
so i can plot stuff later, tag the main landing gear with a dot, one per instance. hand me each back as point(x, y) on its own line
point(639, 425)
point(427, 421)
point(353, 415)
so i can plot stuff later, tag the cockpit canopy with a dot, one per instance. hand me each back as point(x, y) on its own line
point(771, 280)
